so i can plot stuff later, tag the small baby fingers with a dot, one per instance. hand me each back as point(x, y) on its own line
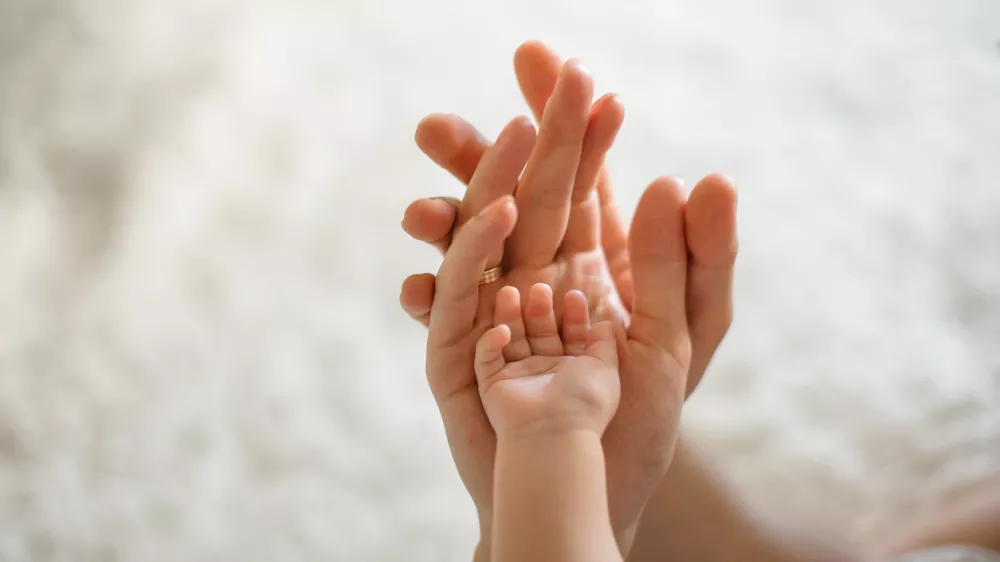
point(489, 353)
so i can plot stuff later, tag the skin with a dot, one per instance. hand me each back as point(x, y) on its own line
point(535, 378)
point(693, 515)
point(639, 279)
point(549, 392)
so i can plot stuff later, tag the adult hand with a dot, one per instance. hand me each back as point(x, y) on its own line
point(677, 263)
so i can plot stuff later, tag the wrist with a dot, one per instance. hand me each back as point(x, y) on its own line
point(551, 497)
point(549, 444)
point(551, 431)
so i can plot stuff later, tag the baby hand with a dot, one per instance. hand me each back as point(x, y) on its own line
point(531, 379)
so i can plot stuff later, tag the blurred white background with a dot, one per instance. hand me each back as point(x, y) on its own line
point(201, 351)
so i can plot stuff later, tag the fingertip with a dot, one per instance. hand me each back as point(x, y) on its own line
point(575, 66)
point(532, 47)
point(539, 300)
point(494, 340)
point(541, 290)
point(537, 68)
point(666, 188)
point(508, 212)
point(615, 103)
point(417, 284)
point(606, 119)
point(507, 307)
point(518, 137)
point(659, 216)
point(610, 106)
point(574, 74)
point(521, 123)
point(722, 179)
point(503, 334)
point(575, 308)
point(417, 294)
point(508, 292)
point(509, 296)
point(429, 220)
point(411, 222)
point(716, 187)
point(430, 129)
point(710, 221)
point(503, 209)
point(574, 299)
point(523, 132)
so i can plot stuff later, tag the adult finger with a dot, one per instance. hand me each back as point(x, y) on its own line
point(537, 68)
point(432, 220)
point(498, 173)
point(452, 143)
point(658, 257)
point(543, 196)
point(416, 297)
point(499, 168)
point(584, 230)
point(710, 230)
point(614, 240)
point(456, 289)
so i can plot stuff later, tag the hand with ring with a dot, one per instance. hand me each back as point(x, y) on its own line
point(666, 283)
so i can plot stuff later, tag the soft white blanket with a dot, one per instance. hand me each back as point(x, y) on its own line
point(201, 352)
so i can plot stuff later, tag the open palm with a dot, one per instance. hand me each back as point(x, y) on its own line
point(535, 377)
point(569, 236)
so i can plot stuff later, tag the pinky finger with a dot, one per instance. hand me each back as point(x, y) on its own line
point(489, 353)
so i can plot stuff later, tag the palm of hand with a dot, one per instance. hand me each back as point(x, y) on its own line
point(638, 441)
point(654, 360)
point(533, 378)
point(455, 385)
point(586, 272)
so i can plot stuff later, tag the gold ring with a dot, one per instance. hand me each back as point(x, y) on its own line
point(491, 275)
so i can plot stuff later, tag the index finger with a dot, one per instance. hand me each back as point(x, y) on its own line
point(456, 289)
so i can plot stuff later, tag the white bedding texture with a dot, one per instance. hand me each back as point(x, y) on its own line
point(202, 356)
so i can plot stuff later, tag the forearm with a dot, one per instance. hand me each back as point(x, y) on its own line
point(694, 516)
point(550, 500)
